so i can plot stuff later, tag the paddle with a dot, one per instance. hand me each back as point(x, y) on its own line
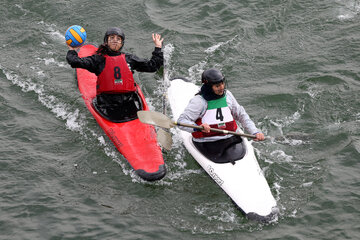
point(161, 120)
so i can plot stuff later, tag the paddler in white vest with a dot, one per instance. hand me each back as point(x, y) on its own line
point(216, 107)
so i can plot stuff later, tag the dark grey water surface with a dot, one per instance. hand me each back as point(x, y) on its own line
point(294, 65)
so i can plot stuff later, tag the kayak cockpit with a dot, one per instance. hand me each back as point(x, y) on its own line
point(222, 151)
point(118, 108)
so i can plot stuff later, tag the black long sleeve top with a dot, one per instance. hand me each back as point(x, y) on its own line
point(96, 62)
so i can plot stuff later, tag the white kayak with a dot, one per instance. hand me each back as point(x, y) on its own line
point(243, 181)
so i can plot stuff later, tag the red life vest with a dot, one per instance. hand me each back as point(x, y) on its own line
point(116, 76)
point(217, 115)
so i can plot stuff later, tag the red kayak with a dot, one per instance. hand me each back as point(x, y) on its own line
point(136, 141)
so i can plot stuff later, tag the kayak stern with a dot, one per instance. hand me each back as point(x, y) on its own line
point(264, 219)
point(152, 176)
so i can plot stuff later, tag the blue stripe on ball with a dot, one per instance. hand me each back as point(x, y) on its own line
point(75, 36)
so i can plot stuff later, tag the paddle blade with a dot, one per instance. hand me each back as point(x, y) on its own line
point(164, 138)
point(154, 118)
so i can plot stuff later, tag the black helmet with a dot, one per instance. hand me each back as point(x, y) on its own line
point(114, 30)
point(212, 76)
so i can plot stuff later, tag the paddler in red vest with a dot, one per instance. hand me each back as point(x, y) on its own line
point(216, 107)
point(116, 98)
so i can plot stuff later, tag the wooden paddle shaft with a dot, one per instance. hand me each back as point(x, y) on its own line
point(215, 130)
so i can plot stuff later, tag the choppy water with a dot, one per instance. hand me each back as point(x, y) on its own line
point(294, 65)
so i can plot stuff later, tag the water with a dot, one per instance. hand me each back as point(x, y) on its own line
point(292, 64)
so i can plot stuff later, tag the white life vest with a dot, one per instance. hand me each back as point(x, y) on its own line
point(218, 115)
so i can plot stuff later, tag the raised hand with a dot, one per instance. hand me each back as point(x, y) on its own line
point(157, 40)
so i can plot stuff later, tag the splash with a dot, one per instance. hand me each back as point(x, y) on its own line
point(196, 71)
point(74, 120)
point(223, 212)
point(168, 51)
point(50, 61)
point(349, 10)
point(281, 123)
point(52, 31)
point(218, 45)
point(281, 156)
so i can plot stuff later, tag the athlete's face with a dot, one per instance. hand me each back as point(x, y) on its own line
point(114, 42)
point(219, 88)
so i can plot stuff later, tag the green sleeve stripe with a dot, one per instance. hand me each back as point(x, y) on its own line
point(218, 103)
